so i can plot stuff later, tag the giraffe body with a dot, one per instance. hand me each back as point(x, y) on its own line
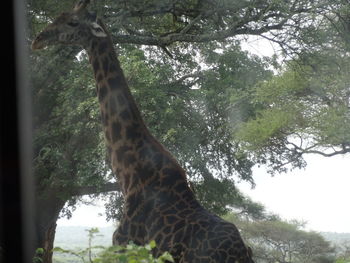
point(159, 205)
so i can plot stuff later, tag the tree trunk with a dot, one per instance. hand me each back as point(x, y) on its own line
point(48, 243)
point(48, 207)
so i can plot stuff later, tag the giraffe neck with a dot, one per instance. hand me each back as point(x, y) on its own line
point(137, 158)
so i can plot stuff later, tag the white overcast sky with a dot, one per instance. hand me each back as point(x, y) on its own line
point(319, 194)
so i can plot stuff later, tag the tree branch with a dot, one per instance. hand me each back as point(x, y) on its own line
point(343, 151)
point(89, 190)
point(249, 22)
point(194, 75)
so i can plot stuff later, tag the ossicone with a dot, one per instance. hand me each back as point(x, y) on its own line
point(81, 5)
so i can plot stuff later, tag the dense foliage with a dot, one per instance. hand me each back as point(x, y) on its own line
point(185, 102)
point(305, 108)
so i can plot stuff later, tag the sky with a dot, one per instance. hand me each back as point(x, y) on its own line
point(318, 194)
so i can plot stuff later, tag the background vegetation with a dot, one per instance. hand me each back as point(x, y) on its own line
point(272, 241)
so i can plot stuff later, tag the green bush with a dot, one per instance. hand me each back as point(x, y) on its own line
point(117, 254)
point(132, 254)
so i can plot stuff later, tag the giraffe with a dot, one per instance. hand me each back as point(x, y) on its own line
point(159, 205)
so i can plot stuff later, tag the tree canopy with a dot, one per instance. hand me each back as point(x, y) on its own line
point(275, 240)
point(305, 108)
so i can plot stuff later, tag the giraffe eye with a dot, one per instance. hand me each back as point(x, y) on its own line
point(73, 23)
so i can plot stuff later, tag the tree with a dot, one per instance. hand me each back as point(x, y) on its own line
point(68, 149)
point(305, 108)
point(343, 253)
point(275, 240)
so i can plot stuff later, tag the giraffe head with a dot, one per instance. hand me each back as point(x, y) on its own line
point(76, 27)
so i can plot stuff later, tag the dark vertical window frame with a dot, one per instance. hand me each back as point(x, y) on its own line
point(16, 181)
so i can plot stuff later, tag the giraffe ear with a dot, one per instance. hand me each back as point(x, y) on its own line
point(97, 30)
point(81, 5)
